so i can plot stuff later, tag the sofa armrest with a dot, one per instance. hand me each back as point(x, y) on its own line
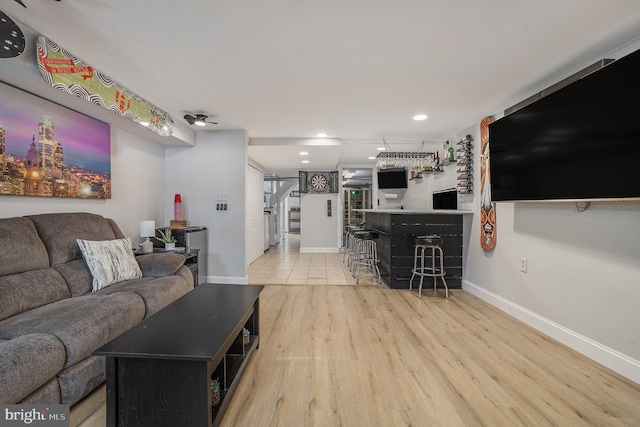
point(160, 265)
point(27, 362)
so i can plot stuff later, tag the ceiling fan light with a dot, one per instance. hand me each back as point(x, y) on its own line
point(197, 119)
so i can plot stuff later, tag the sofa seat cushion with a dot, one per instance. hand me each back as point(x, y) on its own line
point(157, 293)
point(29, 290)
point(27, 363)
point(22, 250)
point(82, 324)
point(110, 261)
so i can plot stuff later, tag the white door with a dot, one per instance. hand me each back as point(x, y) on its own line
point(255, 214)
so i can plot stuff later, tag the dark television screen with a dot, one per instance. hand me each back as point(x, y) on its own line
point(445, 199)
point(392, 178)
point(581, 142)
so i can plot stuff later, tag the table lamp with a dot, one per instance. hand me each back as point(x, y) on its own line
point(147, 229)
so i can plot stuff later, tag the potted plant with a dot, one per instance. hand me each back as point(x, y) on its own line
point(215, 392)
point(167, 238)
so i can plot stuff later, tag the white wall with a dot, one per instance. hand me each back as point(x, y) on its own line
point(137, 179)
point(582, 286)
point(583, 275)
point(418, 194)
point(319, 232)
point(214, 167)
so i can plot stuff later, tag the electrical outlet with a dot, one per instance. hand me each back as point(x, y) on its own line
point(523, 265)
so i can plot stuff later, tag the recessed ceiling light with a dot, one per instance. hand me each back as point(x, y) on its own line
point(381, 148)
point(420, 117)
point(304, 153)
point(305, 161)
point(321, 135)
point(371, 158)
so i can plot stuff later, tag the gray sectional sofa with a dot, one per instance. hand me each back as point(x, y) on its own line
point(51, 320)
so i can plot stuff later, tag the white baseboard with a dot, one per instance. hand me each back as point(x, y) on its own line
point(319, 250)
point(228, 280)
point(612, 359)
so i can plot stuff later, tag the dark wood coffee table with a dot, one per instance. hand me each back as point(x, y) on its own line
point(159, 372)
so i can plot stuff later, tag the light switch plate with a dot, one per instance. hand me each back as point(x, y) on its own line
point(523, 265)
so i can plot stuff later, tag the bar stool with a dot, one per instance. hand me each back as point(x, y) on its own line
point(356, 234)
point(428, 247)
point(365, 253)
point(348, 251)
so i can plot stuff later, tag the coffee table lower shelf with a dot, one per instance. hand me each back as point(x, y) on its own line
point(231, 370)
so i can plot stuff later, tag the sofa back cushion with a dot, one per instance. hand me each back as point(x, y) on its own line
point(59, 232)
point(31, 289)
point(77, 275)
point(21, 249)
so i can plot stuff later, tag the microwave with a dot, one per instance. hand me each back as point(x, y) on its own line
point(447, 199)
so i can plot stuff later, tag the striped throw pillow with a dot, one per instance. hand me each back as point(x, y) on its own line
point(110, 261)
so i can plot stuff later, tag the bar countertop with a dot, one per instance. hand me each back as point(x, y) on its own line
point(415, 211)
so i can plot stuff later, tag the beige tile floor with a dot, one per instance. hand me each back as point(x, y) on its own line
point(283, 264)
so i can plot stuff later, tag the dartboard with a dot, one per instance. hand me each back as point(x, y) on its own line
point(319, 182)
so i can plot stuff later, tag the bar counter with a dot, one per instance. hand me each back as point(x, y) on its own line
point(397, 230)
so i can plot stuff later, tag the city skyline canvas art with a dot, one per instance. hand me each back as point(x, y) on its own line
point(49, 150)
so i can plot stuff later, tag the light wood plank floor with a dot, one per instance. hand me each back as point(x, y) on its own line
point(369, 356)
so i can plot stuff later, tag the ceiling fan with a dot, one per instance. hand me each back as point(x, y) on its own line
point(22, 3)
point(198, 119)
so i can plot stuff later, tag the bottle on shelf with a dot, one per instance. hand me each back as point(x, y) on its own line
point(465, 165)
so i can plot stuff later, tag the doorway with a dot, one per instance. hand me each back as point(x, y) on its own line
point(356, 195)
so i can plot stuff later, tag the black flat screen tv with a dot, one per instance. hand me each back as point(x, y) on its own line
point(581, 142)
point(392, 178)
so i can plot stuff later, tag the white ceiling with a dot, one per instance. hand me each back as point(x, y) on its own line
point(357, 70)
